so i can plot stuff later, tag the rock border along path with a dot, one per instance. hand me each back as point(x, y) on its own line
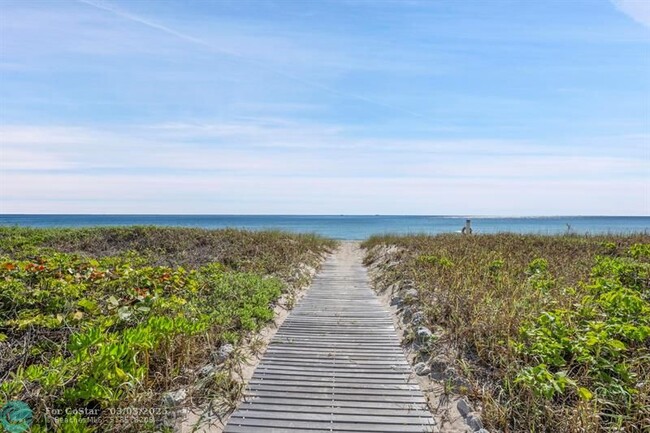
point(335, 364)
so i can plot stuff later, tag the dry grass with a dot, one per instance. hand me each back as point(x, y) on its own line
point(488, 292)
point(267, 252)
point(111, 318)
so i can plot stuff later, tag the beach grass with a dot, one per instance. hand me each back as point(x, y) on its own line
point(553, 331)
point(97, 324)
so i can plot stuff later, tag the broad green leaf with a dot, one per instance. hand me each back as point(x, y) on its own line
point(585, 394)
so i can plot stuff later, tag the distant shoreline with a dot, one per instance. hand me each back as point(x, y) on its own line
point(477, 216)
point(347, 227)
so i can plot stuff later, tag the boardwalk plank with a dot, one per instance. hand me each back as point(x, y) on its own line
point(335, 365)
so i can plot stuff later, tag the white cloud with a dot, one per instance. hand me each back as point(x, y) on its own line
point(79, 193)
point(638, 10)
point(20, 160)
point(268, 166)
point(278, 148)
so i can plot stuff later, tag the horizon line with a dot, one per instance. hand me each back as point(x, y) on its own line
point(332, 215)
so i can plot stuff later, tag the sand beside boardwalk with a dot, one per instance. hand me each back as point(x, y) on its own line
point(349, 254)
point(199, 419)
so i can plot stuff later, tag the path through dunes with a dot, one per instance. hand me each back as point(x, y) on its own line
point(335, 365)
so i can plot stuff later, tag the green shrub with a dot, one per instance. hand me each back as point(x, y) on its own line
point(559, 336)
point(106, 330)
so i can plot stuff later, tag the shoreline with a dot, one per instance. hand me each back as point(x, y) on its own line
point(338, 227)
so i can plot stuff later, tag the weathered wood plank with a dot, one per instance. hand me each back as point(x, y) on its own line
point(335, 365)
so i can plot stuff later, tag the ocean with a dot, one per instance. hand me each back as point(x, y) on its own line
point(349, 227)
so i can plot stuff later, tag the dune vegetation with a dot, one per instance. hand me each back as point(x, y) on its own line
point(553, 332)
point(98, 325)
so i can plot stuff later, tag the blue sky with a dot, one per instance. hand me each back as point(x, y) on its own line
point(486, 107)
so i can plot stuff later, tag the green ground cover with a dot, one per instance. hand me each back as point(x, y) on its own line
point(553, 331)
point(106, 319)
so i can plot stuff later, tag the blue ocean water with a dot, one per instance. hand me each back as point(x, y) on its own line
point(348, 227)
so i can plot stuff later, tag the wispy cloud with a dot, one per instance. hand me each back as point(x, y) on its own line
point(220, 50)
point(315, 107)
point(104, 5)
point(638, 10)
point(205, 193)
point(276, 149)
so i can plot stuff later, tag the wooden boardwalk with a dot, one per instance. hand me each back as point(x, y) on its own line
point(335, 364)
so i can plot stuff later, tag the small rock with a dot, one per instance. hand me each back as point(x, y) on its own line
point(222, 353)
point(174, 398)
point(396, 300)
point(423, 334)
point(421, 369)
point(439, 364)
point(473, 420)
point(207, 370)
point(418, 317)
point(411, 294)
point(463, 407)
point(407, 314)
